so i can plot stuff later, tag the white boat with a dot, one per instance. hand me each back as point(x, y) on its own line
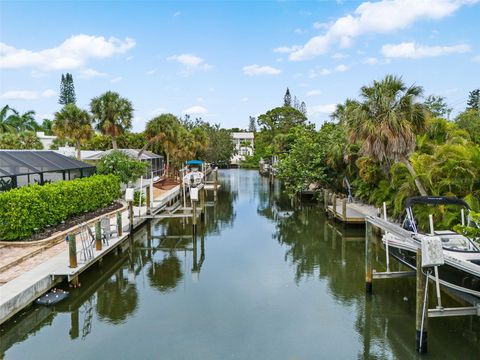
point(461, 270)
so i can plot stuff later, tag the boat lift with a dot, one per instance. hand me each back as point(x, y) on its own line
point(429, 256)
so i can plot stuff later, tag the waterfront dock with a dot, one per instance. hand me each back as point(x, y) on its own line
point(27, 277)
point(339, 208)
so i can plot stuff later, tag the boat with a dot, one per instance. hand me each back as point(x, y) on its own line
point(461, 269)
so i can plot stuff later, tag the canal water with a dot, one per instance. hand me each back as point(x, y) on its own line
point(261, 280)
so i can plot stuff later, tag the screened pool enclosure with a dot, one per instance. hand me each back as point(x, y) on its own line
point(26, 167)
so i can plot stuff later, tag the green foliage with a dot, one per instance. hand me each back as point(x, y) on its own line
point(67, 90)
point(28, 209)
point(469, 120)
point(137, 195)
point(122, 165)
point(73, 123)
point(26, 140)
point(220, 145)
point(472, 231)
point(473, 102)
point(287, 98)
point(437, 106)
point(113, 114)
point(305, 162)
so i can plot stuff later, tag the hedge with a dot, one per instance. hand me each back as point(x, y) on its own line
point(29, 209)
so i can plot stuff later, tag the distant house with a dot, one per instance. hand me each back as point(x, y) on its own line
point(46, 140)
point(27, 167)
point(155, 161)
point(244, 144)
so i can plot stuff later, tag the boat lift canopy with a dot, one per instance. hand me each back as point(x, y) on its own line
point(435, 200)
point(194, 162)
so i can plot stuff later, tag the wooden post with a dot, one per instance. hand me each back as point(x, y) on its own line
point(216, 179)
point(325, 200)
point(147, 200)
point(334, 205)
point(194, 216)
point(202, 204)
point(119, 224)
point(421, 344)
point(72, 250)
point(74, 324)
point(344, 210)
point(130, 215)
point(368, 258)
point(98, 235)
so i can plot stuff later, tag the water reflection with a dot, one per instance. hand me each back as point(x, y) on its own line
point(280, 278)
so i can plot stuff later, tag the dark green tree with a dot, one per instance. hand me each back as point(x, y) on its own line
point(251, 124)
point(474, 100)
point(287, 98)
point(437, 106)
point(303, 108)
point(67, 90)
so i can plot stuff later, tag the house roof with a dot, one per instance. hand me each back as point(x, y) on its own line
point(23, 162)
point(146, 155)
point(243, 135)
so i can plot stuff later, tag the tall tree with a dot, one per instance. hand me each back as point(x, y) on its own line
point(23, 122)
point(474, 100)
point(287, 98)
point(303, 108)
point(437, 106)
point(164, 129)
point(387, 121)
point(73, 123)
point(113, 114)
point(67, 90)
point(5, 124)
point(46, 126)
point(251, 124)
point(296, 103)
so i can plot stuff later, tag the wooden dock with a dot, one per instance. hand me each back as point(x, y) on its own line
point(347, 212)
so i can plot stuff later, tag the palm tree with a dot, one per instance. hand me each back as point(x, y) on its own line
point(23, 122)
point(113, 114)
point(73, 123)
point(5, 125)
point(386, 122)
point(164, 129)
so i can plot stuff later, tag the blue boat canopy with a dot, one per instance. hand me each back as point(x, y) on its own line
point(194, 162)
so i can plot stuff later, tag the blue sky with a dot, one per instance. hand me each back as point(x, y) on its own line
point(226, 60)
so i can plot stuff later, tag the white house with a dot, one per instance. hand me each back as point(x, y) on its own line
point(46, 140)
point(244, 143)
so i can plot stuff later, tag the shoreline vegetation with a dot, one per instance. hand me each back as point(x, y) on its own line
point(389, 143)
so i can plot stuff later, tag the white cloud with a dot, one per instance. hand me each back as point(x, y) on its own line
point(73, 53)
point(338, 56)
point(286, 49)
point(244, 99)
point(195, 110)
point(255, 69)
point(151, 72)
point(116, 79)
point(376, 17)
point(313, 93)
point(300, 31)
point(129, 58)
point(48, 93)
point(313, 73)
point(27, 94)
point(178, 13)
point(190, 63)
point(476, 58)
point(90, 73)
point(158, 111)
point(412, 50)
point(319, 25)
point(370, 61)
point(322, 109)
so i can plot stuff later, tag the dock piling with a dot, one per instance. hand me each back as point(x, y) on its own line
point(98, 236)
point(368, 258)
point(119, 224)
point(147, 200)
point(344, 210)
point(130, 214)
point(421, 317)
point(72, 250)
point(194, 216)
point(202, 204)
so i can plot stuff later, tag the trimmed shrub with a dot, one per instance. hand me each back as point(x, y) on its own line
point(29, 209)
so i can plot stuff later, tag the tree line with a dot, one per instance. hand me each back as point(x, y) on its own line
point(389, 143)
